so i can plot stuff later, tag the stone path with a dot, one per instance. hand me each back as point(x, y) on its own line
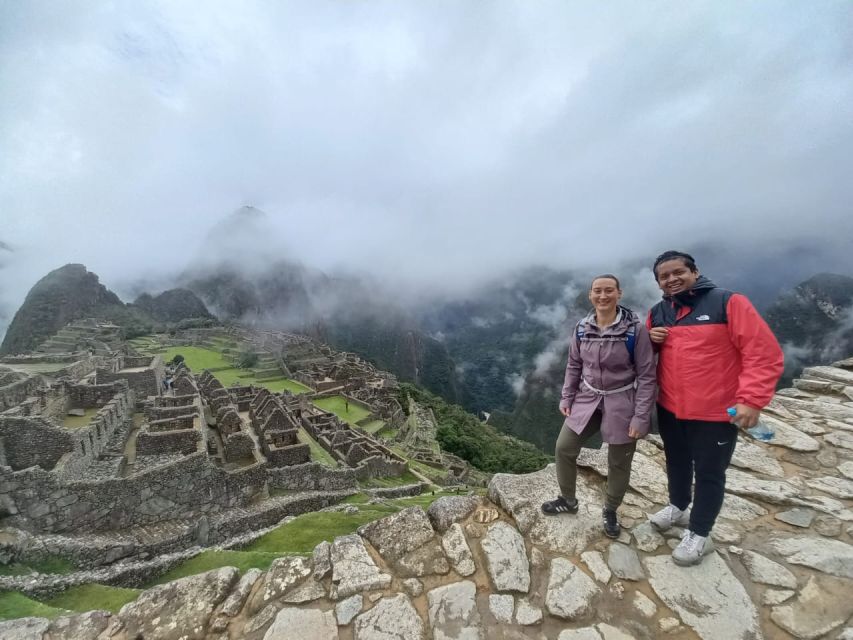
point(498, 568)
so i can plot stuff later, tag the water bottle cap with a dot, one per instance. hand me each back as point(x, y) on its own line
point(731, 411)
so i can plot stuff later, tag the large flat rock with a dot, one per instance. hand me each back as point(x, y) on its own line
point(756, 458)
point(647, 476)
point(823, 604)
point(353, 570)
point(522, 496)
point(789, 437)
point(707, 597)
point(828, 556)
point(391, 619)
point(178, 610)
point(449, 509)
point(831, 374)
point(407, 542)
point(453, 613)
point(506, 558)
point(570, 592)
point(304, 624)
point(283, 574)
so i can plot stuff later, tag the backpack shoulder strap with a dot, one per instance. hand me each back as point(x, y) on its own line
point(631, 340)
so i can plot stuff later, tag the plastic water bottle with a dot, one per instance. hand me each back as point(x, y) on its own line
point(760, 431)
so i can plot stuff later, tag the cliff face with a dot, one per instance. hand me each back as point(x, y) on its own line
point(65, 294)
point(173, 305)
point(72, 292)
point(814, 321)
point(496, 567)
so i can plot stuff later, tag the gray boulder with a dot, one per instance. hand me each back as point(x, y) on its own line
point(178, 610)
point(449, 509)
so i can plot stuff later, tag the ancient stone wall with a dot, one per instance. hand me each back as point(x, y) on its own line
point(88, 396)
point(184, 489)
point(90, 441)
point(178, 423)
point(239, 446)
point(153, 414)
point(17, 391)
point(81, 368)
point(150, 443)
point(289, 455)
point(144, 383)
point(33, 442)
point(311, 476)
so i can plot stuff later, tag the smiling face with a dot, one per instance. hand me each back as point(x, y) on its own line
point(604, 294)
point(674, 276)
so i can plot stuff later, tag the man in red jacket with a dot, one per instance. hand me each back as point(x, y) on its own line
point(715, 352)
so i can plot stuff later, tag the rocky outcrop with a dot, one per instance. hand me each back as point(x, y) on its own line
point(475, 569)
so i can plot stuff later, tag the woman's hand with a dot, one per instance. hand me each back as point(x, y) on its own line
point(658, 334)
point(565, 411)
point(635, 433)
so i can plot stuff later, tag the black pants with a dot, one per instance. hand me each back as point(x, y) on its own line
point(705, 448)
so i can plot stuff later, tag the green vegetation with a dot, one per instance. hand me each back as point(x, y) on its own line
point(388, 433)
point(198, 358)
point(348, 412)
point(77, 422)
point(247, 359)
point(373, 426)
point(86, 597)
point(208, 560)
point(318, 453)
point(17, 605)
point(464, 435)
point(407, 478)
point(297, 537)
point(54, 565)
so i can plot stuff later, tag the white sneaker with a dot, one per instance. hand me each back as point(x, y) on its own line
point(670, 516)
point(692, 549)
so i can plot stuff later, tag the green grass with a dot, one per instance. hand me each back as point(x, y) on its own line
point(308, 530)
point(207, 560)
point(17, 605)
point(373, 426)
point(318, 453)
point(86, 597)
point(299, 536)
point(230, 376)
point(293, 386)
point(338, 406)
point(388, 433)
point(407, 478)
point(54, 565)
point(197, 358)
point(77, 422)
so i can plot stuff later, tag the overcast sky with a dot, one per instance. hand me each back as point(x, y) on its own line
point(431, 141)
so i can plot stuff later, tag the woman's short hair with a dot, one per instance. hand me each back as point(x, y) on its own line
point(609, 276)
point(686, 258)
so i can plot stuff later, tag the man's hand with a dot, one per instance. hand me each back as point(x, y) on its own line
point(746, 417)
point(565, 411)
point(658, 334)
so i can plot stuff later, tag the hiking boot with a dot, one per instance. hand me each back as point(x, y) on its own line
point(558, 506)
point(692, 549)
point(611, 524)
point(668, 517)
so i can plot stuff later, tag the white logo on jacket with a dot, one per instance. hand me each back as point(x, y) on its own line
point(703, 317)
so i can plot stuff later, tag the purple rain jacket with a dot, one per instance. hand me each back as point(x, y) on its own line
point(606, 365)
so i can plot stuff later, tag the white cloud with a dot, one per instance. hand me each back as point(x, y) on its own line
point(433, 144)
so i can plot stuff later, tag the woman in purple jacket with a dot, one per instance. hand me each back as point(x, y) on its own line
point(609, 388)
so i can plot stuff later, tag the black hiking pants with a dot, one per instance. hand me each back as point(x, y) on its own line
point(701, 448)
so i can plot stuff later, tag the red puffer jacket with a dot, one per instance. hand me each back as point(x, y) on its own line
point(719, 352)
